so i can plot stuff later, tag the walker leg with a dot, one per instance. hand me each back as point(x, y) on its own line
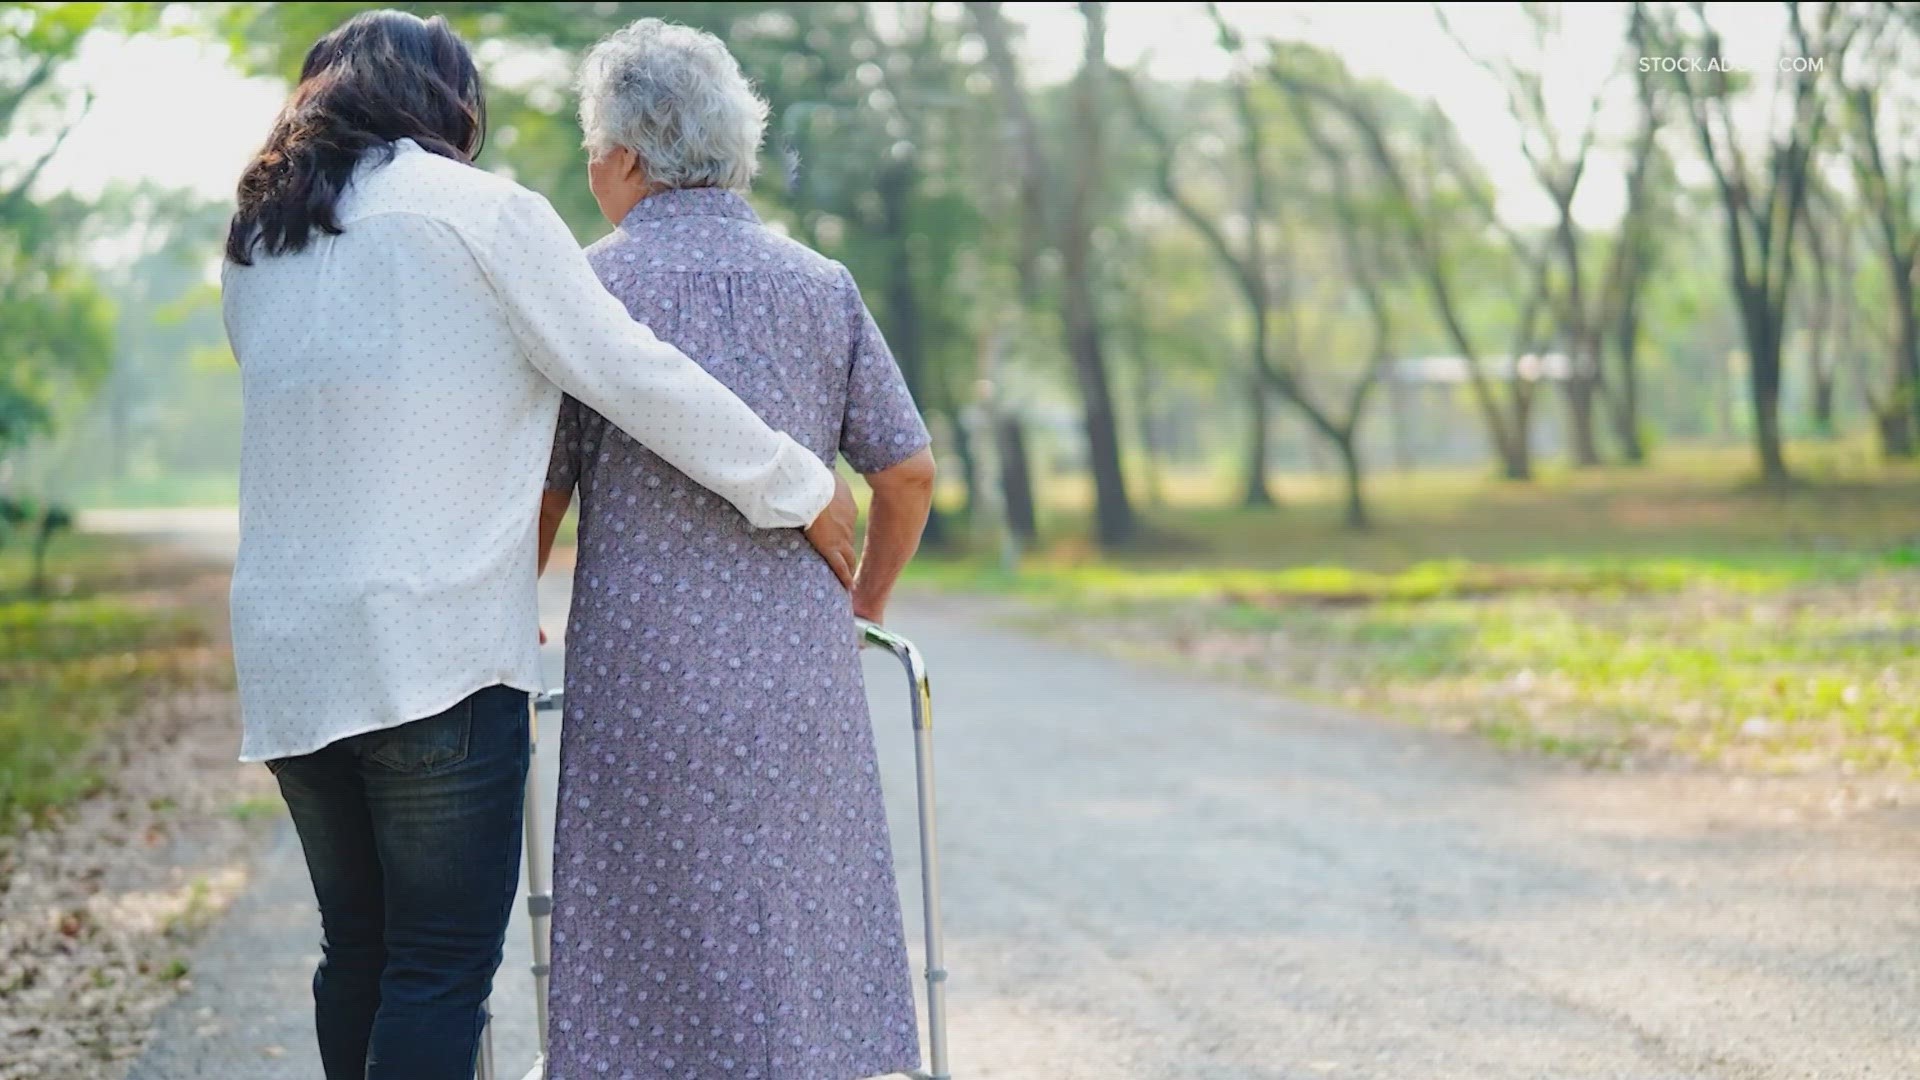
point(539, 883)
point(922, 701)
point(539, 897)
point(930, 905)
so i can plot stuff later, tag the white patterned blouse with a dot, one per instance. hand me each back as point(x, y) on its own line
point(401, 382)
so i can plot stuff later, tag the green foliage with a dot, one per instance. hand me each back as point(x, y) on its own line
point(39, 524)
point(54, 520)
point(169, 407)
point(55, 338)
point(52, 31)
point(55, 332)
point(69, 669)
point(889, 151)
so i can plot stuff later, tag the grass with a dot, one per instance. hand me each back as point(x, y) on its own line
point(1617, 616)
point(77, 662)
point(211, 489)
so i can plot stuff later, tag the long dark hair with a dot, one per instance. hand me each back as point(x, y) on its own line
point(379, 77)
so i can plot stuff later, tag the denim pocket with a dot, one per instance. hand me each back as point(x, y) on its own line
point(423, 746)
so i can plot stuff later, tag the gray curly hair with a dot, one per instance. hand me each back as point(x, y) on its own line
point(677, 98)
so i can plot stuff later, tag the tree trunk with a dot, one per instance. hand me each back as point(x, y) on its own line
point(1349, 447)
point(1766, 420)
point(1823, 380)
point(969, 463)
point(1516, 462)
point(1824, 320)
point(1072, 233)
point(1255, 492)
point(1626, 403)
point(42, 540)
point(1724, 393)
point(1143, 419)
point(1584, 340)
point(1895, 427)
point(1907, 381)
point(1016, 479)
point(1763, 324)
point(1763, 371)
point(1516, 450)
point(904, 327)
point(1113, 513)
point(1403, 433)
point(1579, 391)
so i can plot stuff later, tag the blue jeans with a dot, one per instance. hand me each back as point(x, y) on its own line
point(412, 838)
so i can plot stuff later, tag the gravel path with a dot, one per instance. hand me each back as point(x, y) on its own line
point(1158, 878)
point(249, 1014)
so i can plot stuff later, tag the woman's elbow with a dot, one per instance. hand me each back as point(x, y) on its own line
point(911, 479)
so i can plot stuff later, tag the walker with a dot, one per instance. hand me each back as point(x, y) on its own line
point(540, 887)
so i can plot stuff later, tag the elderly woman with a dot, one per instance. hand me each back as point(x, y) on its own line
point(726, 905)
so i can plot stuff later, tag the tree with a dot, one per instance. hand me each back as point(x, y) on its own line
point(55, 325)
point(1246, 264)
point(1762, 199)
point(1250, 259)
point(1559, 162)
point(1635, 251)
point(1067, 227)
point(1424, 189)
point(1883, 148)
point(1824, 301)
point(170, 403)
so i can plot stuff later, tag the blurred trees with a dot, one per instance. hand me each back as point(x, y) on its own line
point(55, 334)
point(1266, 273)
point(1881, 137)
point(1649, 213)
point(1763, 189)
point(1430, 189)
point(1060, 179)
point(169, 406)
point(912, 145)
point(1558, 160)
point(1080, 269)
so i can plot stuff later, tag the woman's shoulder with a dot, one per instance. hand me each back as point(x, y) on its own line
point(710, 246)
point(424, 184)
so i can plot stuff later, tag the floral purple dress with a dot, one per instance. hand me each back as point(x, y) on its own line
point(725, 897)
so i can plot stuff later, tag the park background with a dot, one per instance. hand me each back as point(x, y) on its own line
point(1543, 373)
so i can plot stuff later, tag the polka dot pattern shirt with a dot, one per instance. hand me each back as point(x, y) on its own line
point(726, 906)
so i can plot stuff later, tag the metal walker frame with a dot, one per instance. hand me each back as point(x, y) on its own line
point(540, 883)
